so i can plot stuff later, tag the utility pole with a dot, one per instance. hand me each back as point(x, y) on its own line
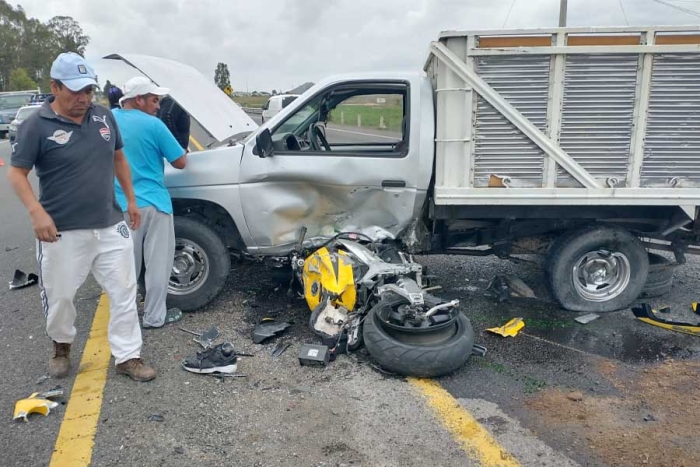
point(562, 13)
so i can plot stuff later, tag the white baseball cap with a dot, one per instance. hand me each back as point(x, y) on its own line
point(140, 86)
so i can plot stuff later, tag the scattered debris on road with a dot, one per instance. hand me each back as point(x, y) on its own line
point(314, 355)
point(22, 280)
point(42, 379)
point(503, 288)
point(647, 314)
point(156, 417)
point(279, 349)
point(585, 319)
point(510, 329)
point(479, 350)
point(37, 403)
point(204, 338)
point(268, 329)
point(8, 248)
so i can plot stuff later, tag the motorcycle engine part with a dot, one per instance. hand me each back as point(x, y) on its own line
point(314, 355)
point(328, 320)
point(329, 272)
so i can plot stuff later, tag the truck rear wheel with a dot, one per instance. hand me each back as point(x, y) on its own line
point(200, 267)
point(660, 278)
point(597, 269)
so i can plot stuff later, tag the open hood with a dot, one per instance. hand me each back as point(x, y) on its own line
point(214, 111)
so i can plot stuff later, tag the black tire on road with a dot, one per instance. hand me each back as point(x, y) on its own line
point(216, 256)
point(589, 246)
point(412, 359)
point(660, 278)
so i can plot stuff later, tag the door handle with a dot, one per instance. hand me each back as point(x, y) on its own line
point(393, 184)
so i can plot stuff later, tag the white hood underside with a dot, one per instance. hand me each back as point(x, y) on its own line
point(205, 102)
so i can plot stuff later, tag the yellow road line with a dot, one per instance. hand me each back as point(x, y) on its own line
point(76, 438)
point(474, 439)
point(196, 143)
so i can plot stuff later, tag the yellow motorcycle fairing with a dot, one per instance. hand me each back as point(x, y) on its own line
point(329, 273)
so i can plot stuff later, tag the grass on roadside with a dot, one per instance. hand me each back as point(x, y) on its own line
point(255, 102)
point(370, 116)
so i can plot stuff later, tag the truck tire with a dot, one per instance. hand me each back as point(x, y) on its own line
point(200, 267)
point(660, 278)
point(414, 359)
point(597, 269)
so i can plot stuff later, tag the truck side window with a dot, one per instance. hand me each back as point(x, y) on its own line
point(371, 122)
point(369, 119)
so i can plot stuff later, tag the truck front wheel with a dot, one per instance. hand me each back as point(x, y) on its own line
point(597, 269)
point(200, 267)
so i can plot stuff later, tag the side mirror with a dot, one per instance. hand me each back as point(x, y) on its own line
point(264, 143)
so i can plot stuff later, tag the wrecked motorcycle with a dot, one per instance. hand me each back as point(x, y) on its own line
point(362, 291)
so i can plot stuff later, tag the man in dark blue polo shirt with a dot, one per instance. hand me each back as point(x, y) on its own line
point(75, 147)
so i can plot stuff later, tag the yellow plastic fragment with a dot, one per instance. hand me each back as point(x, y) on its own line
point(510, 329)
point(33, 404)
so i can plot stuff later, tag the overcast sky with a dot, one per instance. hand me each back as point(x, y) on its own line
point(278, 44)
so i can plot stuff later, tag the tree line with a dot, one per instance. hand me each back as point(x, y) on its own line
point(29, 47)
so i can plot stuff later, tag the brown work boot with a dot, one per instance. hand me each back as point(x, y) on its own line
point(59, 365)
point(136, 370)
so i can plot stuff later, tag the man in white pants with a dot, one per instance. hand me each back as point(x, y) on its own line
point(75, 147)
point(147, 144)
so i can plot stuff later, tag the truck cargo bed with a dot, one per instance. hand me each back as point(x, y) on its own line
point(569, 116)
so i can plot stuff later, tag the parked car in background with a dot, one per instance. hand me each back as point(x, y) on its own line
point(40, 98)
point(275, 104)
point(22, 114)
point(10, 103)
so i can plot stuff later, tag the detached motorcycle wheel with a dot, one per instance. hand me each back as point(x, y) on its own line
point(426, 354)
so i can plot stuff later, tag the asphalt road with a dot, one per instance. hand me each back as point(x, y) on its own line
point(638, 382)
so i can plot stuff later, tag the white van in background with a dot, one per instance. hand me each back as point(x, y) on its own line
point(276, 103)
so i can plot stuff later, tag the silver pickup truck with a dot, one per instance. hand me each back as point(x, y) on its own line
point(579, 145)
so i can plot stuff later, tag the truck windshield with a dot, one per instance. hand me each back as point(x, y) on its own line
point(14, 101)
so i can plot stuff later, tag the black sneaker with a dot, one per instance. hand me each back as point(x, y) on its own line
point(218, 359)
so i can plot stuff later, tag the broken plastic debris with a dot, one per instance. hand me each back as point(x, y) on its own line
point(585, 319)
point(504, 287)
point(156, 417)
point(479, 350)
point(648, 315)
point(510, 329)
point(42, 379)
point(37, 403)
point(279, 349)
point(204, 338)
point(268, 329)
point(22, 280)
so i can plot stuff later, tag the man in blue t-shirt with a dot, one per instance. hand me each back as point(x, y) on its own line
point(147, 143)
